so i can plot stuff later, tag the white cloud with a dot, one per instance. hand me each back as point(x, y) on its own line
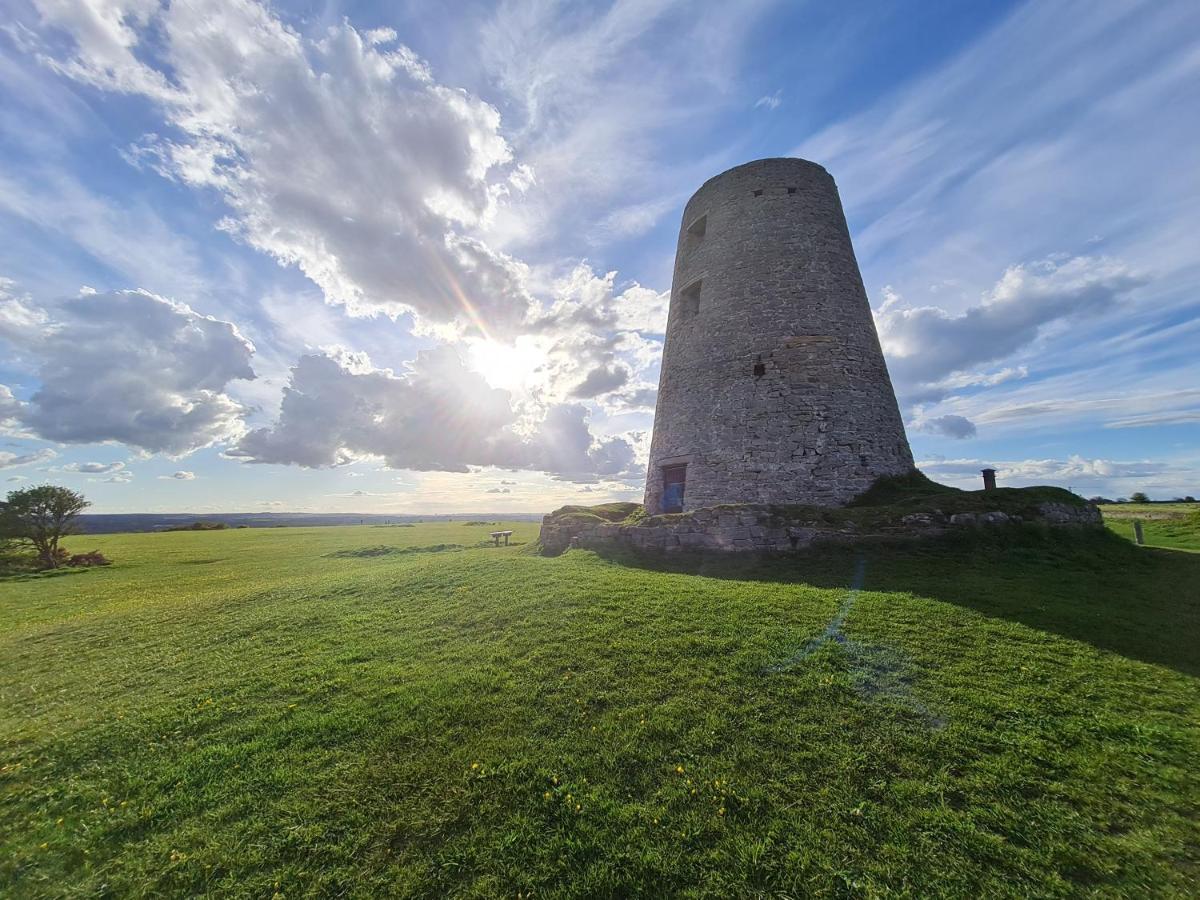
point(436, 416)
point(770, 102)
point(340, 155)
point(94, 468)
point(1075, 471)
point(130, 367)
point(951, 426)
point(179, 476)
point(929, 349)
point(599, 94)
point(10, 460)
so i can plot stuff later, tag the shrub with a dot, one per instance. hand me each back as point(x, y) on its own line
point(91, 558)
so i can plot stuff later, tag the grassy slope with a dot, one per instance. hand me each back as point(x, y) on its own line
point(1172, 525)
point(295, 710)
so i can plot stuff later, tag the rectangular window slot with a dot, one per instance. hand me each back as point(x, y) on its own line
point(674, 479)
point(689, 300)
point(696, 232)
point(758, 193)
point(791, 190)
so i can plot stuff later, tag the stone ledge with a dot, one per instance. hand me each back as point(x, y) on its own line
point(774, 529)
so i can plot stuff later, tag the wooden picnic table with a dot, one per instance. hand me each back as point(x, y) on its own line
point(496, 535)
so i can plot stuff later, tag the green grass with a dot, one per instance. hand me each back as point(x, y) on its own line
point(296, 711)
point(1172, 525)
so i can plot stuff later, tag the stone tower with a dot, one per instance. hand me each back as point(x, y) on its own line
point(773, 386)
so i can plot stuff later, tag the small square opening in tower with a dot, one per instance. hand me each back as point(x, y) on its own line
point(760, 370)
point(791, 190)
point(696, 232)
point(689, 300)
point(674, 479)
point(758, 193)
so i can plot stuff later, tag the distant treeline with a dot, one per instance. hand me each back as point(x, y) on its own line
point(101, 523)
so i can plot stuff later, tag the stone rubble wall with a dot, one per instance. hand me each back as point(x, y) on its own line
point(764, 529)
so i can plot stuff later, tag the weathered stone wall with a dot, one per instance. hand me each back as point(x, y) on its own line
point(767, 529)
point(773, 386)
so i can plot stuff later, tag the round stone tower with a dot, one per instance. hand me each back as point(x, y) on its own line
point(773, 386)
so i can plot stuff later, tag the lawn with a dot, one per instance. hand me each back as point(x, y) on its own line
point(371, 711)
point(1172, 525)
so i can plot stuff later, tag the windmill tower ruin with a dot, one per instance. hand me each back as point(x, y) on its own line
point(773, 387)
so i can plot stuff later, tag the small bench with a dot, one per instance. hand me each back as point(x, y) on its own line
point(496, 535)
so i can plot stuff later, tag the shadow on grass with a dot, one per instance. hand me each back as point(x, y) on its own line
point(383, 550)
point(1087, 585)
point(32, 575)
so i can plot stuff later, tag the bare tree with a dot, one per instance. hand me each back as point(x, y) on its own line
point(42, 515)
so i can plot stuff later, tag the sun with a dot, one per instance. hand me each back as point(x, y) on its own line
point(513, 367)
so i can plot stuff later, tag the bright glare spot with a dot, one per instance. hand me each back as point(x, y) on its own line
point(513, 367)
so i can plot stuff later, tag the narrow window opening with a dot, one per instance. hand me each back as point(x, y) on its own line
point(696, 232)
point(689, 300)
point(759, 369)
point(758, 193)
point(674, 479)
point(791, 190)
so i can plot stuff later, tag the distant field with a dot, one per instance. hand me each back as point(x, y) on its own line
point(1172, 525)
point(396, 711)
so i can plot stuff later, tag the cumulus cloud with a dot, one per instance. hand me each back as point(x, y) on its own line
point(179, 476)
point(1074, 470)
point(563, 446)
point(601, 380)
point(131, 367)
point(341, 155)
point(436, 415)
point(951, 426)
point(10, 407)
point(94, 468)
point(497, 490)
point(10, 460)
point(929, 349)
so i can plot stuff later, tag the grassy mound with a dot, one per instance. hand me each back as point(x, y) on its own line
point(882, 506)
point(959, 717)
point(603, 512)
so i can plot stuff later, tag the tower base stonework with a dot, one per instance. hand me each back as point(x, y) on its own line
point(774, 388)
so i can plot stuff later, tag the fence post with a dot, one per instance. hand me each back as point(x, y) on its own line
point(1137, 532)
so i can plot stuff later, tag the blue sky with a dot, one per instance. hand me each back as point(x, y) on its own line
point(414, 257)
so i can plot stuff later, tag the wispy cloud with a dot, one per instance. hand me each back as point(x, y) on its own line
point(770, 102)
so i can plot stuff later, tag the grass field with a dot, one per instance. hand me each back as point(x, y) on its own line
point(372, 712)
point(1172, 525)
